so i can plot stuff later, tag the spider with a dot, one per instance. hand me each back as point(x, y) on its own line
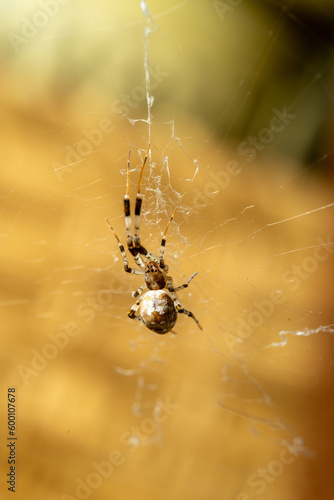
point(158, 308)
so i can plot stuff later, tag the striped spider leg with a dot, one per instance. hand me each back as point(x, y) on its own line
point(133, 243)
point(177, 304)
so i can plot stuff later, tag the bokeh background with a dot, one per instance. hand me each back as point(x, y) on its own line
point(106, 408)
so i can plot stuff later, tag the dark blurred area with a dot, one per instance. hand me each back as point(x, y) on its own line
point(227, 63)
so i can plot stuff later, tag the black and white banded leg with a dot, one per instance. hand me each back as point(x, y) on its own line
point(127, 268)
point(171, 288)
point(127, 213)
point(139, 291)
point(163, 244)
point(134, 309)
point(178, 307)
point(134, 244)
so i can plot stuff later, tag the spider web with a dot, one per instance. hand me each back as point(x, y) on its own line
point(246, 165)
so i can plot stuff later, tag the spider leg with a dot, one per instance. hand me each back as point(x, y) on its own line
point(126, 204)
point(127, 213)
point(178, 307)
point(139, 199)
point(134, 309)
point(139, 291)
point(163, 244)
point(135, 246)
point(181, 309)
point(125, 260)
point(173, 289)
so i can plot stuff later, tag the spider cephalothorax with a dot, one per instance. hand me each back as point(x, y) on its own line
point(159, 306)
point(155, 278)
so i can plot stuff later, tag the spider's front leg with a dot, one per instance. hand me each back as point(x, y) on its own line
point(127, 269)
point(133, 249)
point(134, 244)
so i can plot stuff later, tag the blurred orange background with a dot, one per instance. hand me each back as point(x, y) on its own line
point(241, 143)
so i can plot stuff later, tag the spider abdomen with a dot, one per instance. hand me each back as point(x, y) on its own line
point(157, 311)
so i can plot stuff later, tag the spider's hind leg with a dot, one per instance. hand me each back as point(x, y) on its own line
point(182, 310)
point(139, 291)
point(178, 307)
point(134, 309)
